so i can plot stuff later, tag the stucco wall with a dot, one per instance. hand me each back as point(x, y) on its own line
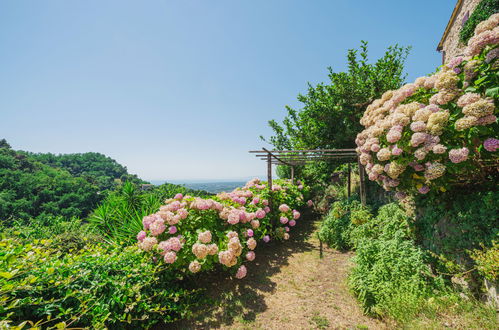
point(451, 44)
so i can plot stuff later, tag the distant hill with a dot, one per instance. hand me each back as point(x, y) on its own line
point(44, 184)
point(94, 167)
point(29, 188)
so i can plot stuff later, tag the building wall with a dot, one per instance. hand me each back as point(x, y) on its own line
point(451, 45)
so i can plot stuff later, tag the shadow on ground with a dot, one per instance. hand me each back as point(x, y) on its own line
point(229, 299)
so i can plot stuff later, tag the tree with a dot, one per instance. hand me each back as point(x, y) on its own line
point(331, 112)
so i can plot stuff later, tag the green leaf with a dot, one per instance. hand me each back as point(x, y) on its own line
point(492, 92)
point(6, 275)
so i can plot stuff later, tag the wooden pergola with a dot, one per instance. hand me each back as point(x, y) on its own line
point(294, 158)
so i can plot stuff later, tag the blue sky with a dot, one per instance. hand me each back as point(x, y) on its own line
point(183, 89)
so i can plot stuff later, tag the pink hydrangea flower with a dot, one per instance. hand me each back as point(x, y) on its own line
point(373, 176)
point(491, 144)
point(183, 213)
point(454, 62)
point(250, 256)
point(396, 151)
point(157, 227)
point(255, 224)
point(256, 200)
point(283, 208)
point(286, 228)
point(205, 237)
point(172, 230)
point(424, 189)
point(141, 235)
point(148, 220)
point(195, 266)
point(170, 257)
point(400, 195)
point(310, 203)
point(296, 215)
point(265, 202)
point(292, 223)
point(251, 243)
point(249, 233)
point(178, 196)
point(241, 272)
point(260, 214)
point(148, 243)
point(267, 209)
point(283, 220)
point(458, 155)
point(266, 238)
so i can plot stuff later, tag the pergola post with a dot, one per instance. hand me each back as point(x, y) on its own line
point(269, 182)
point(349, 180)
point(362, 183)
point(269, 170)
point(292, 174)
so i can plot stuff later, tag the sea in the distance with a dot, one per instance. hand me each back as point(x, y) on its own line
point(212, 187)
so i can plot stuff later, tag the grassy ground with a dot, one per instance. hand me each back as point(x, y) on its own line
point(288, 286)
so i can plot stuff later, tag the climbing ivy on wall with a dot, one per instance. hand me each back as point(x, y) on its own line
point(482, 12)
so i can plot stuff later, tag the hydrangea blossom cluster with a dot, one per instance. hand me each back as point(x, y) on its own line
point(194, 234)
point(413, 134)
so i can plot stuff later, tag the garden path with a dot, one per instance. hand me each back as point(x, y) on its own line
point(288, 287)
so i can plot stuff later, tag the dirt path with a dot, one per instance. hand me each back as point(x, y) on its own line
point(288, 287)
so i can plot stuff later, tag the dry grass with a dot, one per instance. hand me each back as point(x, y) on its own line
point(288, 287)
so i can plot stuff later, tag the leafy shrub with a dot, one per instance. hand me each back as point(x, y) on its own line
point(482, 12)
point(336, 228)
point(391, 276)
point(65, 235)
point(487, 261)
point(440, 130)
point(96, 286)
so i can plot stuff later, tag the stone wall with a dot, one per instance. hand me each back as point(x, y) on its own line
point(451, 45)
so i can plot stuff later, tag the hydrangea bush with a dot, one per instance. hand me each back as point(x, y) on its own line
point(192, 234)
point(441, 129)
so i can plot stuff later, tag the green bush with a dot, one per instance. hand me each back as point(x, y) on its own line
point(96, 286)
point(391, 276)
point(337, 226)
point(482, 12)
point(487, 261)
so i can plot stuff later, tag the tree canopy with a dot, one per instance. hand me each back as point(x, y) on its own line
point(29, 188)
point(331, 111)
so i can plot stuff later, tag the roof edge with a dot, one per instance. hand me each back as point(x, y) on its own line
point(449, 24)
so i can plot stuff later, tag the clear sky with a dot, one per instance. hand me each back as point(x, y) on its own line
point(183, 89)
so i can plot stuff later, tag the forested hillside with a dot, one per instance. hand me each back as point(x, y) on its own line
point(29, 188)
point(94, 167)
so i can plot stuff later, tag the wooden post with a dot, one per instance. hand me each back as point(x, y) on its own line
point(292, 174)
point(362, 183)
point(349, 181)
point(320, 248)
point(269, 181)
point(269, 171)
